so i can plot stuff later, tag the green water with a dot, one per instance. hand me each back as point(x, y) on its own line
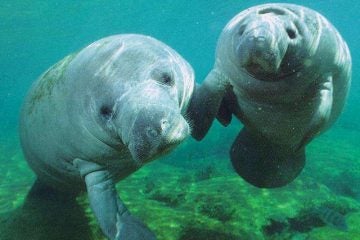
point(192, 193)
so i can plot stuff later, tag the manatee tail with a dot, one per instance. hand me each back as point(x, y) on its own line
point(264, 164)
point(47, 214)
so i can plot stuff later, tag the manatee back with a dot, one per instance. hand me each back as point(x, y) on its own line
point(44, 124)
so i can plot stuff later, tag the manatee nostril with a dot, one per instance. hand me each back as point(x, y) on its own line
point(241, 30)
point(164, 124)
point(259, 39)
point(275, 11)
point(291, 33)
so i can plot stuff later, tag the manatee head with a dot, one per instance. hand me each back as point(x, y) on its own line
point(150, 122)
point(268, 42)
point(140, 89)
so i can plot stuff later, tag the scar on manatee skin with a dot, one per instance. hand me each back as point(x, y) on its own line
point(48, 81)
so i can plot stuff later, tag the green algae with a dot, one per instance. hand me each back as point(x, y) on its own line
point(209, 200)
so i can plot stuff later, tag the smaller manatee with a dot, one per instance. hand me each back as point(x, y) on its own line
point(284, 71)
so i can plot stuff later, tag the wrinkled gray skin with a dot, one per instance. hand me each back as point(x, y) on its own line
point(284, 71)
point(100, 114)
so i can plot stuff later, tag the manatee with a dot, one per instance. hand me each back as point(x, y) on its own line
point(284, 71)
point(99, 115)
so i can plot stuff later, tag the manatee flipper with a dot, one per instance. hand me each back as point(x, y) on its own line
point(264, 164)
point(224, 114)
point(323, 106)
point(205, 103)
point(113, 217)
point(227, 107)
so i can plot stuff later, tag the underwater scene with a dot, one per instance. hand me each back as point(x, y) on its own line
point(198, 190)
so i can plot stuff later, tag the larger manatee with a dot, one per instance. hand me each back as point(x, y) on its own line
point(99, 115)
point(284, 71)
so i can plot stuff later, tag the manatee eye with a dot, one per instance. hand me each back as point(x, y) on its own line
point(167, 79)
point(162, 77)
point(291, 33)
point(106, 112)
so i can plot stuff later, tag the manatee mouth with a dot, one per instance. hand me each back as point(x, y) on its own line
point(167, 148)
point(143, 154)
point(173, 139)
point(149, 143)
point(259, 58)
point(262, 70)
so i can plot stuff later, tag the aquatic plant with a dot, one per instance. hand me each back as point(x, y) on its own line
point(168, 198)
point(149, 186)
point(185, 179)
point(346, 183)
point(194, 233)
point(217, 211)
point(332, 218)
point(326, 214)
point(205, 173)
point(275, 227)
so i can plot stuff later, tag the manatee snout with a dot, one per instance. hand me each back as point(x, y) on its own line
point(261, 46)
point(256, 53)
point(166, 125)
point(155, 131)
